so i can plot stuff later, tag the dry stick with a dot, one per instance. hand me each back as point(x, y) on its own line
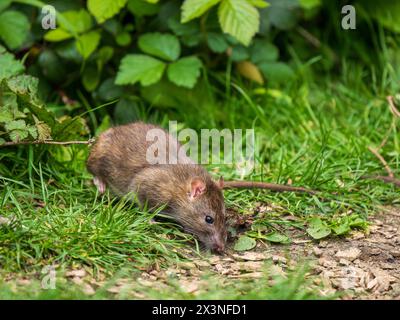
point(383, 161)
point(264, 185)
point(6, 144)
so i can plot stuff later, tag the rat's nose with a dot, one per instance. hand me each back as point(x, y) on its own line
point(218, 247)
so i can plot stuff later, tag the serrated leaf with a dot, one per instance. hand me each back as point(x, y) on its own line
point(250, 71)
point(79, 20)
point(33, 131)
point(192, 9)
point(239, 19)
point(6, 114)
point(244, 243)
point(14, 28)
point(24, 85)
point(318, 229)
point(9, 66)
point(2, 141)
point(165, 46)
point(15, 124)
point(139, 68)
point(185, 71)
point(105, 9)
point(18, 135)
point(43, 130)
point(87, 43)
point(56, 35)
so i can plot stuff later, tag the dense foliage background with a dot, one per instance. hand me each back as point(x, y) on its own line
point(168, 59)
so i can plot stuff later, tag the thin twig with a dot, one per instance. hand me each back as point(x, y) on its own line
point(386, 179)
point(382, 160)
point(393, 108)
point(11, 143)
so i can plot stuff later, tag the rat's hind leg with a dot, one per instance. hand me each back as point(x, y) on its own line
point(100, 184)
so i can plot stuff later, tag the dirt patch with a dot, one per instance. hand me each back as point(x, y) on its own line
point(361, 265)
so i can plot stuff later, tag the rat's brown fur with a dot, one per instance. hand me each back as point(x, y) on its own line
point(118, 159)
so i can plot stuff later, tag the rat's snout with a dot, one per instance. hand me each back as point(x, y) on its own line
point(218, 245)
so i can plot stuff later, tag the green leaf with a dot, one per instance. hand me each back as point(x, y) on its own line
point(2, 141)
point(195, 8)
point(260, 3)
point(18, 135)
point(105, 9)
point(239, 19)
point(239, 53)
point(142, 8)
point(217, 42)
point(9, 66)
point(6, 114)
point(341, 229)
point(165, 46)
point(276, 71)
point(33, 131)
point(87, 43)
point(14, 28)
point(56, 35)
point(183, 29)
point(123, 39)
point(4, 4)
point(263, 51)
point(185, 71)
point(318, 229)
point(139, 68)
point(244, 243)
point(15, 124)
point(79, 20)
point(277, 237)
point(283, 14)
point(25, 86)
point(108, 91)
point(90, 78)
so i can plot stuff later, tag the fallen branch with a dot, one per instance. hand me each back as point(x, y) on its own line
point(11, 143)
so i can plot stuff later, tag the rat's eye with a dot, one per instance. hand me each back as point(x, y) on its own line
point(209, 219)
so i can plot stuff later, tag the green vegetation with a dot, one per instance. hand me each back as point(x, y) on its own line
point(314, 93)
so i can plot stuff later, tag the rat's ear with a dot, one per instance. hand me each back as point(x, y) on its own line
point(220, 182)
point(197, 187)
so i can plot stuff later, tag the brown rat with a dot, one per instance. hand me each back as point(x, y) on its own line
point(192, 197)
point(119, 159)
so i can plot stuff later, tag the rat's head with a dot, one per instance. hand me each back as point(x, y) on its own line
point(204, 212)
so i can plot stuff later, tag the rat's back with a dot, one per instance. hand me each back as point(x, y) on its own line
point(123, 151)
